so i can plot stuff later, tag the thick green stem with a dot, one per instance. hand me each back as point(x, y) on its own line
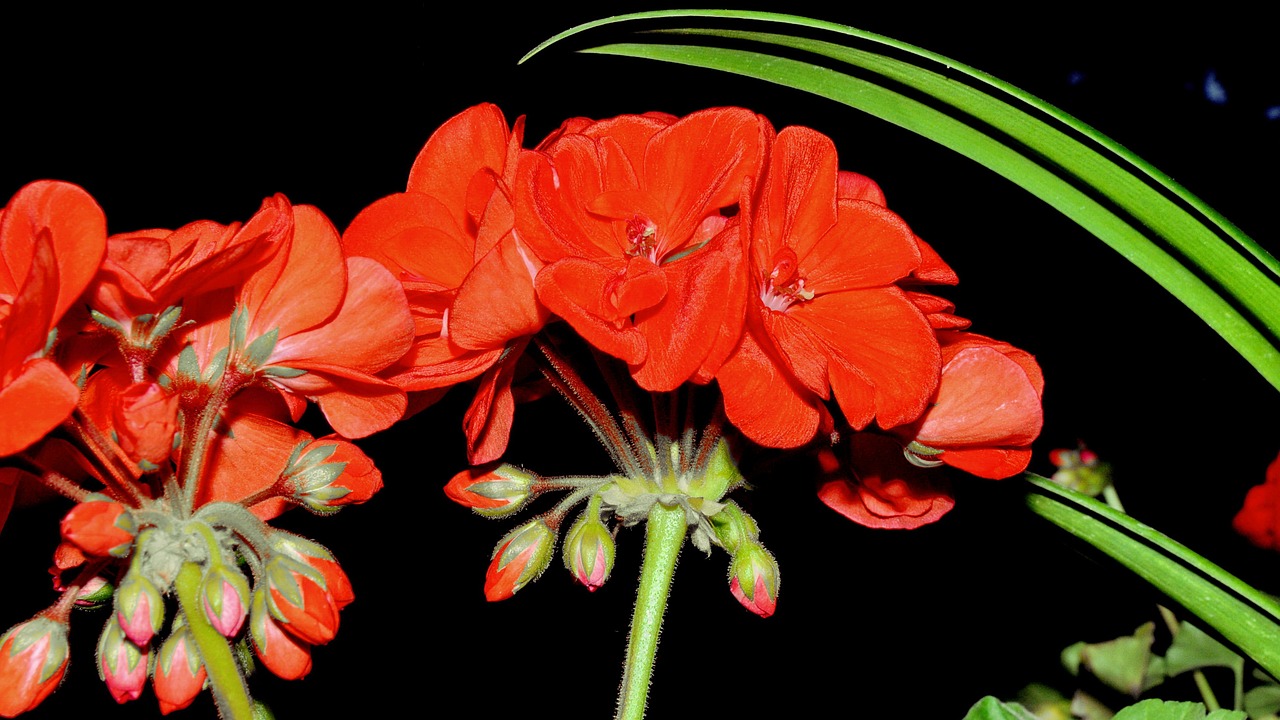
point(225, 681)
point(663, 539)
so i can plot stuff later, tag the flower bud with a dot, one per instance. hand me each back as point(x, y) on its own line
point(95, 593)
point(297, 598)
point(493, 490)
point(589, 550)
point(179, 675)
point(281, 652)
point(121, 664)
point(101, 527)
point(226, 599)
point(519, 559)
point(145, 418)
point(33, 659)
point(139, 609)
point(329, 473)
point(315, 555)
point(753, 579)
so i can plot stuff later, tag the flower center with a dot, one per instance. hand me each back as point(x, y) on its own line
point(784, 285)
point(643, 235)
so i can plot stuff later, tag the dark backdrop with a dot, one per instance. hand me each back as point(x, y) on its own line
point(167, 119)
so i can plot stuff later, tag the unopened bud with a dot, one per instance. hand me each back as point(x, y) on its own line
point(493, 490)
point(139, 608)
point(33, 659)
point(101, 527)
point(226, 599)
point(519, 559)
point(753, 579)
point(589, 550)
point(179, 675)
point(122, 665)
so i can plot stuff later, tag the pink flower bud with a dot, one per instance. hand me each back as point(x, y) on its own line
point(297, 598)
point(139, 609)
point(100, 527)
point(145, 419)
point(121, 664)
point(179, 675)
point(33, 659)
point(226, 599)
point(589, 551)
point(519, 559)
point(281, 652)
point(493, 490)
point(753, 579)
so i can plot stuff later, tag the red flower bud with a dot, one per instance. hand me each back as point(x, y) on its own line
point(519, 559)
point(753, 579)
point(296, 596)
point(329, 473)
point(179, 675)
point(100, 527)
point(315, 555)
point(493, 490)
point(145, 419)
point(282, 652)
point(121, 664)
point(33, 659)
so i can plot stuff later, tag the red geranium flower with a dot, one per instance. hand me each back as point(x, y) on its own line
point(631, 216)
point(468, 277)
point(878, 488)
point(825, 314)
point(52, 238)
point(987, 409)
point(1259, 519)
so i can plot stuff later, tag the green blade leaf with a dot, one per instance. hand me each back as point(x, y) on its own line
point(1201, 587)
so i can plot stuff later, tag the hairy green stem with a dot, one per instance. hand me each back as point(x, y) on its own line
point(663, 540)
point(229, 691)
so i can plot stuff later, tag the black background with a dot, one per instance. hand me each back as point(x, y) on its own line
point(167, 119)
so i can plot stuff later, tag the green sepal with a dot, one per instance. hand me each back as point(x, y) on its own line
point(239, 327)
point(106, 322)
point(189, 365)
point(282, 372)
point(213, 373)
point(259, 351)
point(718, 476)
point(164, 325)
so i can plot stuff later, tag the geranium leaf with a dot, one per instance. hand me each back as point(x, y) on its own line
point(1243, 616)
point(1164, 710)
point(1192, 649)
point(989, 708)
point(1262, 701)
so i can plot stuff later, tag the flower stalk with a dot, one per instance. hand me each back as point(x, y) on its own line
point(225, 681)
point(664, 537)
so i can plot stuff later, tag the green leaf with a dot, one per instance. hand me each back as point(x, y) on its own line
point(1121, 663)
point(989, 708)
point(1192, 649)
point(1242, 615)
point(1262, 700)
point(1165, 710)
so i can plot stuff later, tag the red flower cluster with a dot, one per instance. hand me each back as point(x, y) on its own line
point(153, 377)
point(695, 249)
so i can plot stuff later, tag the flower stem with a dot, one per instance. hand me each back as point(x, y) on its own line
point(663, 539)
point(229, 691)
